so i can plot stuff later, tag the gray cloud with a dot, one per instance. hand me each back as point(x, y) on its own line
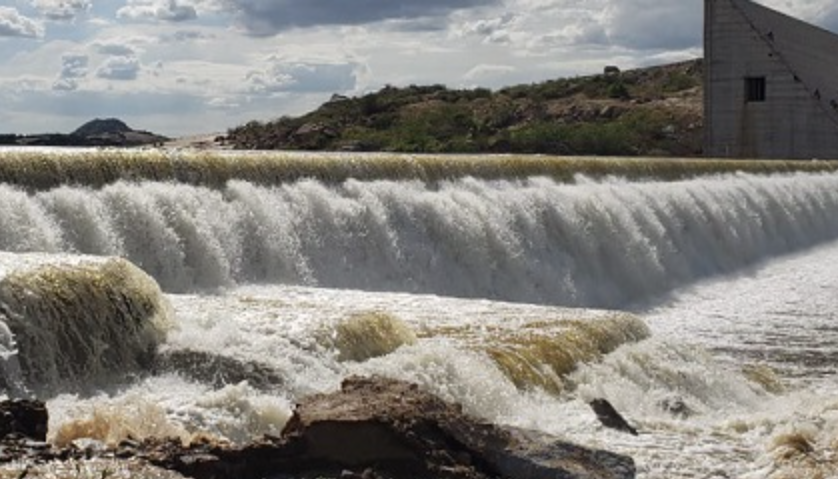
point(187, 36)
point(302, 78)
point(268, 17)
point(119, 68)
point(163, 10)
point(495, 30)
point(74, 65)
point(655, 24)
point(116, 49)
point(61, 10)
point(13, 24)
point(829, 19)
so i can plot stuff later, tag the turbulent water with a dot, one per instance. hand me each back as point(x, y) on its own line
point(718, 345)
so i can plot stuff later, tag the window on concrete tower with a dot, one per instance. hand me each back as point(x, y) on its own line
point(754, 89)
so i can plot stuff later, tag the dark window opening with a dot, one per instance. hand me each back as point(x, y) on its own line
point(754, 89)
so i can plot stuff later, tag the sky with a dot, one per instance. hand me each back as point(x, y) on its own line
point(182, 67)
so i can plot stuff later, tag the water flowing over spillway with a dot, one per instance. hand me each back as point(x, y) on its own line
point(713, 330)
point(598, 244)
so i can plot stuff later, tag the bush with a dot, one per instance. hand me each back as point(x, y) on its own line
point(618, 90)
point(679, 82)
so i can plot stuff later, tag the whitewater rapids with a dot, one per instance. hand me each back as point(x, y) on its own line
point(481, 291)
point(590, 244)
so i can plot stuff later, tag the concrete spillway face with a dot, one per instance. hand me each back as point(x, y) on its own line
point(67, 321)
point(769, 84)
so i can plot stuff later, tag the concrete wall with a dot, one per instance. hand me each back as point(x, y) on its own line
point(799, 117)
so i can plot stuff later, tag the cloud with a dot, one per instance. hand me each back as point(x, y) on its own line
point(268, 17)
point(61, 10)
point(114, 49)
point(829, 19)
point(495, 30)
point(654, 24)
point(297, 77)
point(74, 65)
point(486, 73)
point(13, 24)
point(65, 84)
point(119, 68)
point(164, 10)
point(187, 36)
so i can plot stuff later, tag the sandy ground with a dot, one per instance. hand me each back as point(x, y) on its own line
point(207, 141)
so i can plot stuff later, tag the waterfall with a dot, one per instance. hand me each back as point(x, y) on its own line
point(592, 243)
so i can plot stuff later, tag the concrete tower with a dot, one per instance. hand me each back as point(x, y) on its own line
point(771, 84)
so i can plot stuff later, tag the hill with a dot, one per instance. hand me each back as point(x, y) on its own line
point(99, 126)
point(650, 111)
point(99, 132)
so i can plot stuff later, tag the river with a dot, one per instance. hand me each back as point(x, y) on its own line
point(728, 370)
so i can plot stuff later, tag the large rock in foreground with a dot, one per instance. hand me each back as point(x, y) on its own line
point(373, 428)
point(398, 428)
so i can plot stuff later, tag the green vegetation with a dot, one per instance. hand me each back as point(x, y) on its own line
point(653, 112)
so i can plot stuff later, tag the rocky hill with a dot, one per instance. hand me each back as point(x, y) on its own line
point(99, 132)
point(650, 111)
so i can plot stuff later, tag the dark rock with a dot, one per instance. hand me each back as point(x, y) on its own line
point(676, 407)
point(217, 370)
point(310, 129)
point(386, 428)
point(26, 418)
point(609, 417)
point(409, 432)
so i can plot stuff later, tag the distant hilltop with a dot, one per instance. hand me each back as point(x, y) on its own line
point(99, 132)
point(655, 111)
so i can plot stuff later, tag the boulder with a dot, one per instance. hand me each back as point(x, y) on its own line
point(373, 428)
point(217, 370)
point(24, 418)
point(408, 432)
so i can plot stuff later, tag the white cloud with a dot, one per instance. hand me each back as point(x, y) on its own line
point(65, 84)
point(13, 24)
point(482, 72)
point(62, 10)
point(119, 68)
point(282, 76)
point(494, 30)
point(163, 10)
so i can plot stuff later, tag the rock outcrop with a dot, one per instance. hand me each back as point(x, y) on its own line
point(372, 428)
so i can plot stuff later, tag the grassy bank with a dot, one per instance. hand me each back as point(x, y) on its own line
point(655, 111)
